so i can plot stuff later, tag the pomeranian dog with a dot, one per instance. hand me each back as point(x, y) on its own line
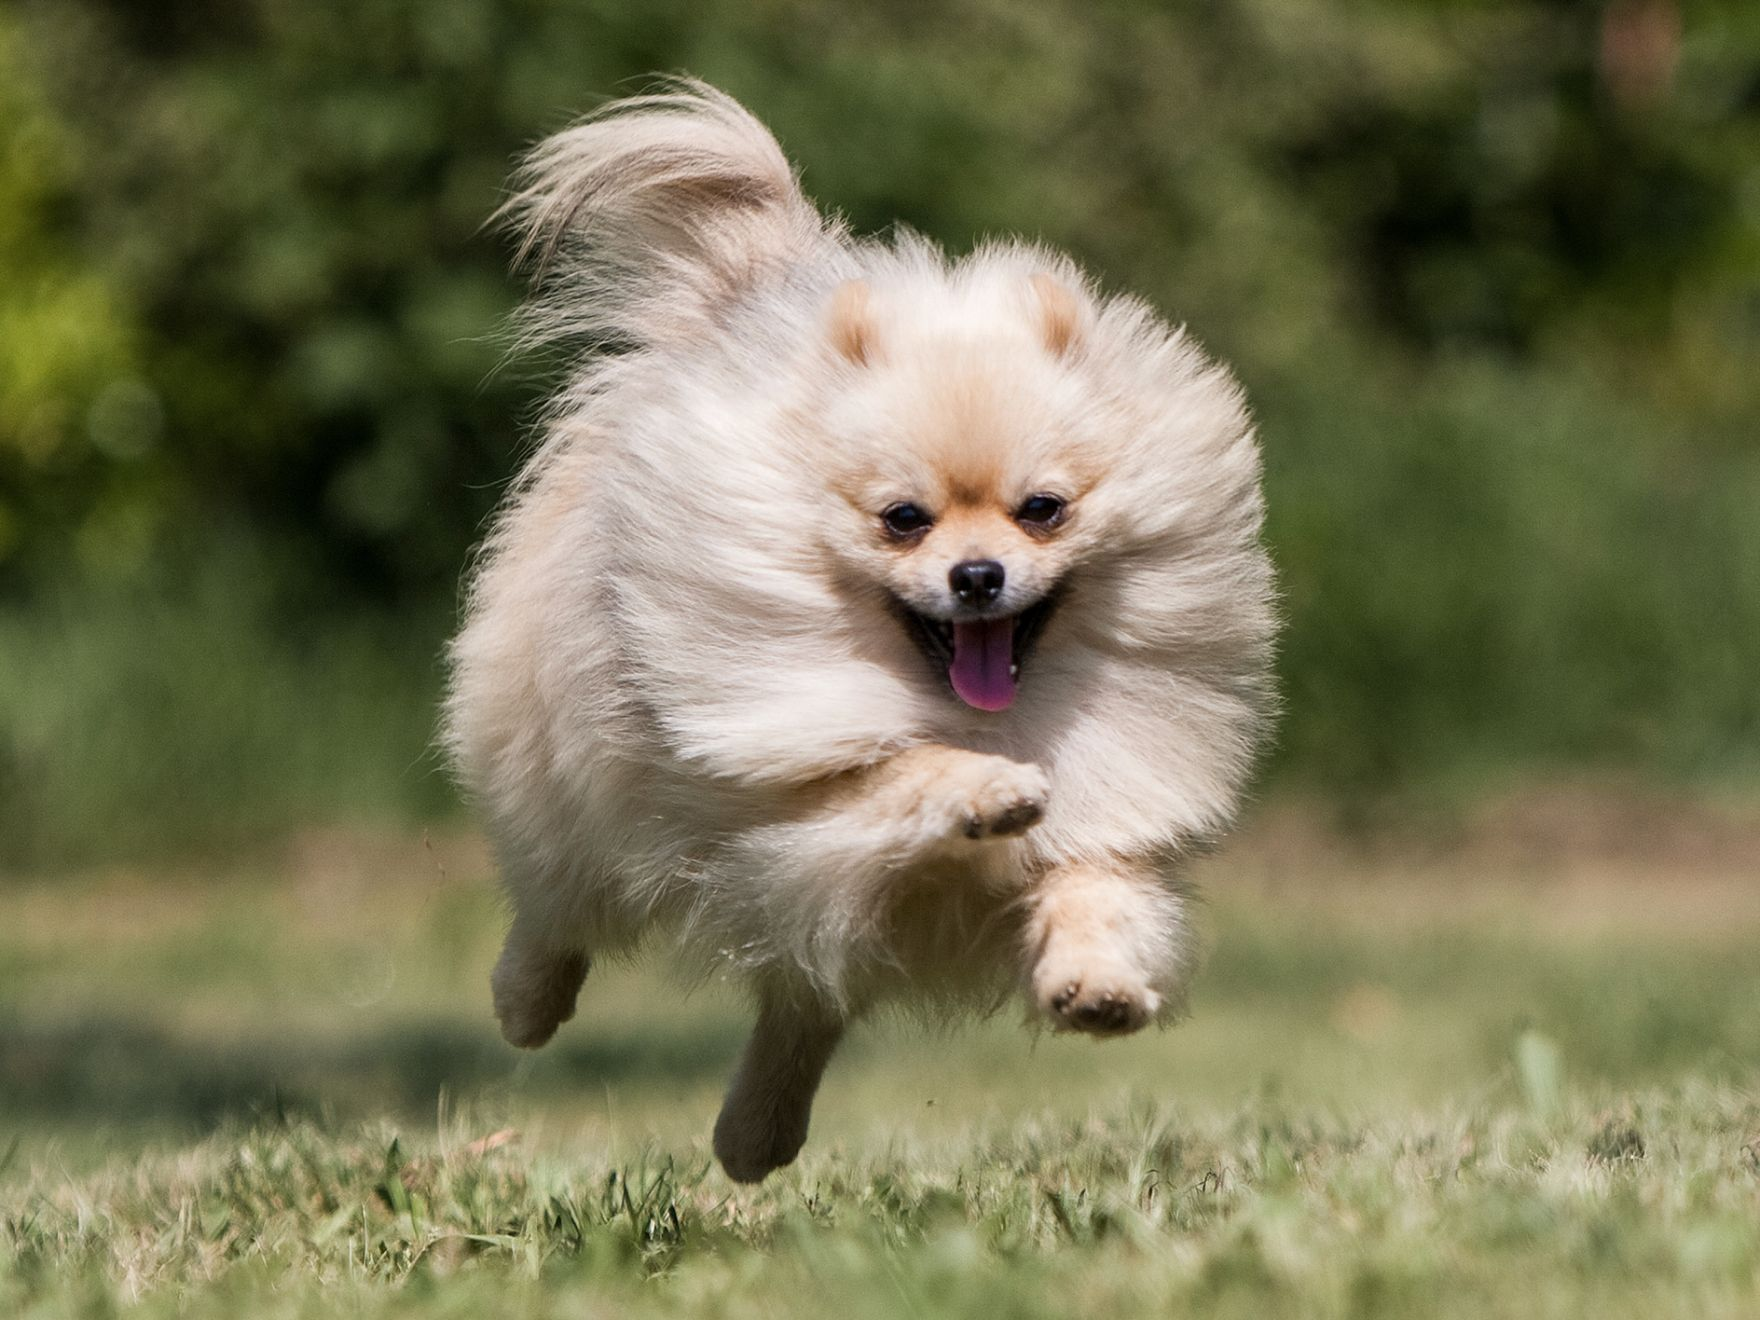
point(877, 626)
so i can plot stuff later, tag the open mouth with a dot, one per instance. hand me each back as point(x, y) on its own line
point(981, 658)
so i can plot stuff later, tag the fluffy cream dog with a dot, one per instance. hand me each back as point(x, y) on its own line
point(881, 627)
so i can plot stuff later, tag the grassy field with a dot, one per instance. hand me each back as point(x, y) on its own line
point(1511, 1074)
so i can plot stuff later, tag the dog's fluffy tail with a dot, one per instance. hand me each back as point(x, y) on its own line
point(643, 220)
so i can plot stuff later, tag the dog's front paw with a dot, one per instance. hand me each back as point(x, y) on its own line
point(1093, 993)
point(996, 797)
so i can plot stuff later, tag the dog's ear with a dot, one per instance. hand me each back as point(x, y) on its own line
point(1059, 313)
point(851, 322)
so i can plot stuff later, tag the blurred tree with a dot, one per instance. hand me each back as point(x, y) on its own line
point(257, 291)
point(69, 350)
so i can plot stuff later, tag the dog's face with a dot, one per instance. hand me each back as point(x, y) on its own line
point(963, 461)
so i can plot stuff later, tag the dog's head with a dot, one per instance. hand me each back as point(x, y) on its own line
point(973, 453)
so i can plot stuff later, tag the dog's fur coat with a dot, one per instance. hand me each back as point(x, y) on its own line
point(688, 692)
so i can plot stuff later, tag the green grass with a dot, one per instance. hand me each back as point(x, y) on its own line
point(1481, 1085)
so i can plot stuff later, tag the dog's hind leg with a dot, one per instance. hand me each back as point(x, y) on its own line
point(763, 1121)
point(535, 982)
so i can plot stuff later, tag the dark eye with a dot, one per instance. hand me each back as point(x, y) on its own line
point(1040, 511)
point(904, 520)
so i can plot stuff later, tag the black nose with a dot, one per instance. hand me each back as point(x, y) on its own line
point(976, 581)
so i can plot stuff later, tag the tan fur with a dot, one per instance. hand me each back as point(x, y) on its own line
point(849, 328)
point(688, 692)
point(1060, 313)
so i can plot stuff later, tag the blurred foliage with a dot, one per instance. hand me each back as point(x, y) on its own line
point(1491, 269)
point(181, 718)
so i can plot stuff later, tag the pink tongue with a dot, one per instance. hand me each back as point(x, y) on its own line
point(983, 660)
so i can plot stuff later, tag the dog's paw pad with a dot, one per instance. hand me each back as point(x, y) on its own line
point(1101, 1009)
point(1015, 818)
point(1009, 802)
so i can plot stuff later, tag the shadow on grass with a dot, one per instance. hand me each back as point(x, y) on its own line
point(105, 1068)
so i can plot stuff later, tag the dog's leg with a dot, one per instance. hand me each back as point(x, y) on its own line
point(920, 800)
point(535, 983)
point(1107, 945)
point(763, 1121)
point(821, 877)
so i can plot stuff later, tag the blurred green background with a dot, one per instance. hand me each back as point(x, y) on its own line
point(1489, 268)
